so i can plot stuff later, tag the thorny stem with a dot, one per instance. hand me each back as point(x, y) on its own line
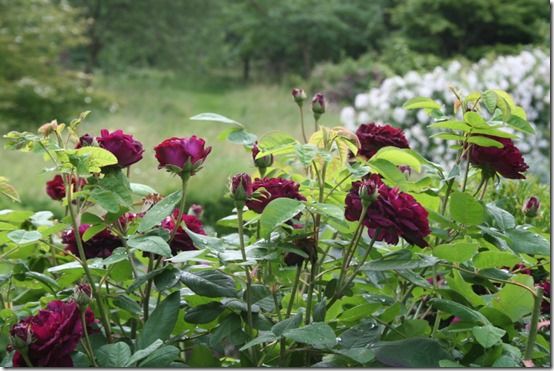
point(82, 255)
point(533, 325)
point(88, 346)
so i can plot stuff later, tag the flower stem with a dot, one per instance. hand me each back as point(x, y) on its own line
point(464, 184)
point(26, 359)
point(353, 244)
point(313, 272)
point(103, 314)
point(88, 346)
point(302, 124)
point(533, 325)
point(148, 289)
point(293, 291)
point(248, 277)
point(181, 206)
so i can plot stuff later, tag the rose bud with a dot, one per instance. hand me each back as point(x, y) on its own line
point(21, 336)
point(82, 294)
point(368, 191)
point(241, 187)
point(318, 105)
point(531, 207)
point(85, 141)
point(261, 163)
point(55, 188)
point(299, 96)
point(196, 210)
point(183, 156)
point(48, 128)
point(123, 146)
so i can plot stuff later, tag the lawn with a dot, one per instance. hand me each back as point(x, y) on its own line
point(154, 106)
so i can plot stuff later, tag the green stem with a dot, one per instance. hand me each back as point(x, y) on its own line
point(293, 291)
point(484, 189)
point(88, 346)
point(353, 244)
point(311, 286)
point(240, 221)
point(184, 183)
point(302, 124)
point(103, 314)
point(534, 324)
point(148, 289)
point(26, 359)
point(464, 184)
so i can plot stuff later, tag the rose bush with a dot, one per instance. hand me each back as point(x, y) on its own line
point(343, 249)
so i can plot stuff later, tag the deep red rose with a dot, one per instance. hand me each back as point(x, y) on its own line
point(182, 241)
point(56, 190)
point(374, 137)
point(545, 305)
point(123, 146)
point(55, 332)
point(100, 246)
point(262, 162)
point(241, 187)
point(185, 154)
point(394, 214)
point(85, 141)
point(306, 244)
point(273, 188)
point(507, 161)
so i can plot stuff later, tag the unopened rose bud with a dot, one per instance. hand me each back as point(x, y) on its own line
point(531, 207)
point(241, 187)
point(48, 128)
point(85, 141)
point(21, 336)
point(196, 210)
point(318, 105)
point(82, 295)
point(368, 192)
point(263, 162)
point(299, 96)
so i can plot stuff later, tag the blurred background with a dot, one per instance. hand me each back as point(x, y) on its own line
point(146, 66)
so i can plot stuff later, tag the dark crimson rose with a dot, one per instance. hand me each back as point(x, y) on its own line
point(545, 305)
point(531, 207)
point(123, 146)
point(507, 161)
point(393, 214)
point(307, 245)
point(241, 187)
point(373, 137)
point(55, 333)
point(55, 187)
point(100, 246)
point(182, 241)
point(270, 189)
point(85, 141)
point(183, 154)
point(262, 162)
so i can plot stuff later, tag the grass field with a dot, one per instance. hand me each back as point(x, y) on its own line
point(154, 106)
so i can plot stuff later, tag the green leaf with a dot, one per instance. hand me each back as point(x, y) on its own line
point(113, 355)
point(317, 334)
point(421, 102)
point(495, 259)
point(143, 353)
point(202, 356)
point(263, 337)
point(277, 212)
point(276, 143)
point(484, 141)
point(520, 124)
point(161, 322)
point(42, 219)
point(126, 303)
point(489, 98)
point(185, 256)
point(210, 283)
point(459, 310)
point(448, 136)
point(209, 116)
point(112, 191)
point(359, 355)
point(95, 158)
point(152, 244)
point(142, 189)
point(527, 242)
point(22, 237)
point(413, 352)
point(398, 156)
point(465, 209)
point(206, 242)
point(44, 279)
point(287, 324)
point(457, 283)
point(399, 260)
point(502, 219)
point(92, 231)
point(361, 335)
point(456, 252)
point(487, 335)
point(475, 120)
point(204, 313)
point(161, 357)
point(515, 301)
point(159, 211)
point(452, 125)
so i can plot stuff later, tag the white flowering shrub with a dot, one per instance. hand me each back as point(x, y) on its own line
point(525, 76)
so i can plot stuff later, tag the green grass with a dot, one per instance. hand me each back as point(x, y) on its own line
point(154, 106)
